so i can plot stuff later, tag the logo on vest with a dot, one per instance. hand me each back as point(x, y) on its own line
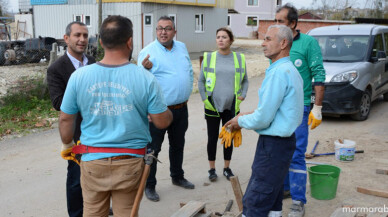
point(298, 62)
point(208, 81)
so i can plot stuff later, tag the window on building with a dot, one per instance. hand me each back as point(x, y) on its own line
point(87, 20)
point(253, 2)
point(251, 20)
point(78, 18)
point(199, 23)
point(228, 20)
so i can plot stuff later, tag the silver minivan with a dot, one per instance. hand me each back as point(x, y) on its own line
point(356, 64)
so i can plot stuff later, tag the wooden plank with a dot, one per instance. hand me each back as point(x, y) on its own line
point(237, 191)
point(339, 212)
point(374, 192)
point(190, 209)
point(382, 171)
point(201, 211)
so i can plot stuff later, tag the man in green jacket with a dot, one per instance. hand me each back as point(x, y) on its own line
point(306, 56)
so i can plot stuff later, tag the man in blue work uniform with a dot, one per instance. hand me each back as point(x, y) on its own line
point(169, 61)
point(306, 55)
point(276, 117)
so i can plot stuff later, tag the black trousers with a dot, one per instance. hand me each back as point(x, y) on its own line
point(176, 136)
point(213, 130)
point(75, 204)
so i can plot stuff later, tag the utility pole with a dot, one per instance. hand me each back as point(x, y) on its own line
point(99, 14)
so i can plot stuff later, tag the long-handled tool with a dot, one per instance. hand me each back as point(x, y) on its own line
point(227, 209)
point(330, 153)
point(148, 159)
point(311, 155)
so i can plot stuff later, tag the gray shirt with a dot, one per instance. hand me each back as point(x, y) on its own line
point(223, 93)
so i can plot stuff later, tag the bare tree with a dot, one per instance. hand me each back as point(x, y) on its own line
point(337, 7)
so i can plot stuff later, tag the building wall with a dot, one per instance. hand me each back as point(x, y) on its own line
point(238, 22)
point(51, 20)
point(214, 18)
point(303, 25)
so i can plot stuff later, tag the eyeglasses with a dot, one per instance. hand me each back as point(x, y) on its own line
point(167, 29)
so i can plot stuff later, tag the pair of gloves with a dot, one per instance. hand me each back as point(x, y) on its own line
point(67, 152)
point(226, 137)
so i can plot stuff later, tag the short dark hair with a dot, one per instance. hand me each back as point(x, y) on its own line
point(115, 31)
point(228, 31)
point(68, 27)
point(292, 14)
point(167, 18)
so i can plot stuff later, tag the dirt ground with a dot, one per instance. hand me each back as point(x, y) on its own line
point(32, 181)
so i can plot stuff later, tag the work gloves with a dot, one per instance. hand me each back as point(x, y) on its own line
point(226, 137)
point(315, 117)
point(67, 153)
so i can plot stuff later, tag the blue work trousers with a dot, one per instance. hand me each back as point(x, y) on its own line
point(75, 204)
point(176, 136)
point(270, 166)
point(295, 181)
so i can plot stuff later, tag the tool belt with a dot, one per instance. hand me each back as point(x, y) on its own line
point(82, 149)
point(178, 106)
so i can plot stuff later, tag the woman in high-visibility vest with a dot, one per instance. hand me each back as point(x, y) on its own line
point(221, 96)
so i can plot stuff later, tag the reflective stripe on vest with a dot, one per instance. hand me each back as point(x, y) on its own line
point(209, 65)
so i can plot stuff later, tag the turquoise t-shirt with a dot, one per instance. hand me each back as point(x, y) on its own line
point(114, 102)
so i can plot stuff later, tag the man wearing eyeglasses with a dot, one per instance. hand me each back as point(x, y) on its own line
point(169, 62)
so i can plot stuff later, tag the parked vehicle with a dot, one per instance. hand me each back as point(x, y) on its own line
point(356, 64)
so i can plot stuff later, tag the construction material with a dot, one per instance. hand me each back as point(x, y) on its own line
point(227, 209)
point(310, 156)
point(374, 192)
point(190, 209)
point(237, 191)
point(148, 159)
point(382, 171)
point(344, 150)
point(323, 181)
point(200, 211)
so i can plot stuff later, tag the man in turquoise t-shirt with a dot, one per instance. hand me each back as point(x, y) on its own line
point(306, 56)
point(114, 98)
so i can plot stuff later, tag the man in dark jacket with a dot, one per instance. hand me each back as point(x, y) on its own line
point(58, 74)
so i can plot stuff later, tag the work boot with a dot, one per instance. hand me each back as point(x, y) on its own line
point(297, 209)
point(228, 173)
point(151, 194)
point(212, 175)
point(182, 182)
point(286, 194)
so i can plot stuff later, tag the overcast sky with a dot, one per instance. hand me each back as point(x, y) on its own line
point(13, 5)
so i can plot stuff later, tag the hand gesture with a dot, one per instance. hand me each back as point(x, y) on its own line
point(147, 63)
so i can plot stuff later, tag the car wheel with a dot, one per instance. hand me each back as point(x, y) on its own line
point(364, 107)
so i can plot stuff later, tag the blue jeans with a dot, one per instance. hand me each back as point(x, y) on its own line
point(176, 136)
point(73, 190)
point(295, 181)
point(270, 166)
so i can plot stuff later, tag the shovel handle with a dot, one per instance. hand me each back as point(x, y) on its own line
point(140, 191)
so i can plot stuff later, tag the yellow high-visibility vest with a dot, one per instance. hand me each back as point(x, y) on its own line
point(209, 71)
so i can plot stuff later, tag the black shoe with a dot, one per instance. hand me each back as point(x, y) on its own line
point(110, 211)
point(286, 194)
point(183, 183)
point(228, 173)
point(151, 194)
point(212, 175)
